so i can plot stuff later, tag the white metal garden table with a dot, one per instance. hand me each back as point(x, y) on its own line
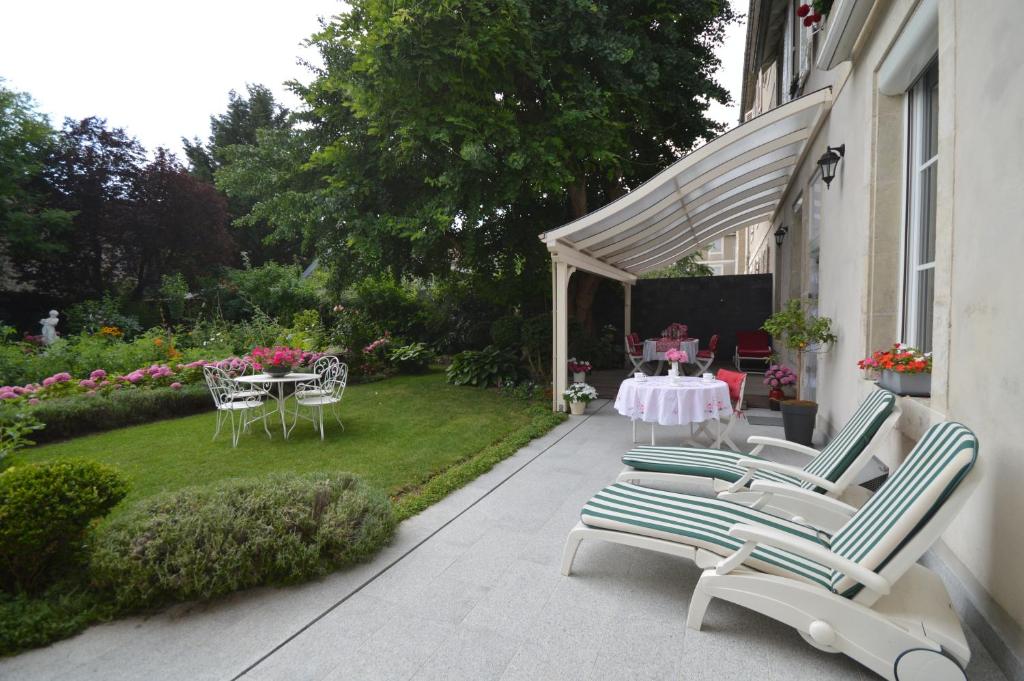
point(656, 400)
point(280, 382)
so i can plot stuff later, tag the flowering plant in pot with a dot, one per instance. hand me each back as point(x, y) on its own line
point(677, 357)
point(811, 13)
point(801, 332)
point(904, 370)
point(580, 369)
point(276, 361)
point(578, 396)
point(777, 377)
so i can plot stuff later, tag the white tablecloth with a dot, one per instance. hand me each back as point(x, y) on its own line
point(651, 353)
point(656, 400)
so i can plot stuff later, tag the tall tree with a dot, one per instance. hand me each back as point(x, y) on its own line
point(236, 134)
point(28, 226)
point(179, 225)
point(449, 134)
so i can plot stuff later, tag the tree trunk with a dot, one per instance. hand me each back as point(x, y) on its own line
point(583, 303)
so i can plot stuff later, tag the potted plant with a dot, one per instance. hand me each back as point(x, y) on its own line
point(904, 370)
point(578, 396)
point(777, 378)
point(801, 332)
point(579, 370)
point(277, 361)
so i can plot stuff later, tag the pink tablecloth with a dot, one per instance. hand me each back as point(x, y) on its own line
point(656, 400)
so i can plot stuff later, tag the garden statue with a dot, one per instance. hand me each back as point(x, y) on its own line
point(49, 332)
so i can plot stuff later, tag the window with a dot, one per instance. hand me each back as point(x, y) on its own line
point(716, 247)
point(919, 236)
point(796, 53)
point(717, 269)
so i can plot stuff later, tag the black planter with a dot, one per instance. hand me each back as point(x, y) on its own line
point(798, 419)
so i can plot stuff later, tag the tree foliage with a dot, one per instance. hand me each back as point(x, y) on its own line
point(442, 137)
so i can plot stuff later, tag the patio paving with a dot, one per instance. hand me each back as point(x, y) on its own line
point(470, 589)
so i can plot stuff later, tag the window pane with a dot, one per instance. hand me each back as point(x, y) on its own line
point(931, 117)
point(927, 206)
point(925, 305)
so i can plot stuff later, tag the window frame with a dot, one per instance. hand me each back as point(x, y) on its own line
point(920, 104)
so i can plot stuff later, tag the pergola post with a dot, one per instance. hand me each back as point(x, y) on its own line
point(627, 323)
point(560, 273)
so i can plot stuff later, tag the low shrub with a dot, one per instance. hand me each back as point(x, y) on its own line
point(15, 429)
point(414, 358)
point(484, 368)
point(44, 512)
point(29, 621)
point(203, 542)
point(68, 417)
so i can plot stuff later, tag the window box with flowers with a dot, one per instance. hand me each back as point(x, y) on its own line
point(902, 369)
point(578, 396)
point(579, 369)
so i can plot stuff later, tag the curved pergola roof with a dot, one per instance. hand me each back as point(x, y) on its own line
point(733, 181)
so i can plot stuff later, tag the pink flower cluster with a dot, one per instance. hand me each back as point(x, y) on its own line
point(379, 343)
point(278, 356)
point(778, 375)
point(675, 355)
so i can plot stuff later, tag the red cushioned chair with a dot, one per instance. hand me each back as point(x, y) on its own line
point(635, 353)
point(737, 382)
point(753, 346)
point(706, 356)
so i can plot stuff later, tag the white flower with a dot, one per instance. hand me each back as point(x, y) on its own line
point(580, 392)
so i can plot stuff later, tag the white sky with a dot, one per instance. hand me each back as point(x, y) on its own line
point(161, 69)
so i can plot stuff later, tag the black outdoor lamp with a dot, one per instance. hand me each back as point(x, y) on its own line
point(828, 162)
point(780, 235)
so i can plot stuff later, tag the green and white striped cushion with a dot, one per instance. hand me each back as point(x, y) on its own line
point(850, 442)
point(702, 463)
point(890, 518)
point(702, 523)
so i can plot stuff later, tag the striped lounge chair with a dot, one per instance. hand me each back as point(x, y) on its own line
point(830, 471)
point(859, 591)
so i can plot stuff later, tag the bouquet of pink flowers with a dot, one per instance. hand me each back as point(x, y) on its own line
point(675, 331)
point(777, 376)
point(677, 356)
point(276, 358)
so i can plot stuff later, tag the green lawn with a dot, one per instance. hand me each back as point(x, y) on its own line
point(399, 434)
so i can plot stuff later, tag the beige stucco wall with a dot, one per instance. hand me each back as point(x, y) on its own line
point(979, 315)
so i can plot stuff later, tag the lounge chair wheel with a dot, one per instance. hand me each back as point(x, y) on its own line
point(821, 636)
point(922, 664)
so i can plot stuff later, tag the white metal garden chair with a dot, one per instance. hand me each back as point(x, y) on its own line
point(247, 391)
point(635, 353)
point(705, 358)
point(859, 591)
point(231, 406)
point(324, 391)
point(319, 368)
point(830, 472)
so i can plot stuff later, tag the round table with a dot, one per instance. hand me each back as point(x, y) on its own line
point(651, 354)
point(279, 381)
point(657, 400)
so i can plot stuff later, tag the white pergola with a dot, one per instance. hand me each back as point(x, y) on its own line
point(733, 181)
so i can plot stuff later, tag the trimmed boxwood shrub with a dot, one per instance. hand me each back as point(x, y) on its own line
point(45, 510)
point(68, 417)
point(203, 542)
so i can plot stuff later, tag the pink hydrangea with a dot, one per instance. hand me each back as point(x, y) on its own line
point(175, 386)
point(34, 401)
point(134, 377)
point(62, 377)
point(48, 381)
point(98, 375)
point(7, 394)
point(87, 383)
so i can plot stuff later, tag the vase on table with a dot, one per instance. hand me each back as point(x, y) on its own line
point(277, 371)
point(579, 377)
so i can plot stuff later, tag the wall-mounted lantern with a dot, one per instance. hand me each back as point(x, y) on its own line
point(780, 235)
point(828, 162)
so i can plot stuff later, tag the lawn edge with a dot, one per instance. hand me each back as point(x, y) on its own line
point(461, 473)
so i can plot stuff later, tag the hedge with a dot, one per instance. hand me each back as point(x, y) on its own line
point(204, 542)
point(68, 417)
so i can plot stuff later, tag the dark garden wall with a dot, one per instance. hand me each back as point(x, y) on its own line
point(707, 305)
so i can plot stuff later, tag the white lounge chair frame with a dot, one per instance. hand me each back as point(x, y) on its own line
point(901, 608)
point(790, 501)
